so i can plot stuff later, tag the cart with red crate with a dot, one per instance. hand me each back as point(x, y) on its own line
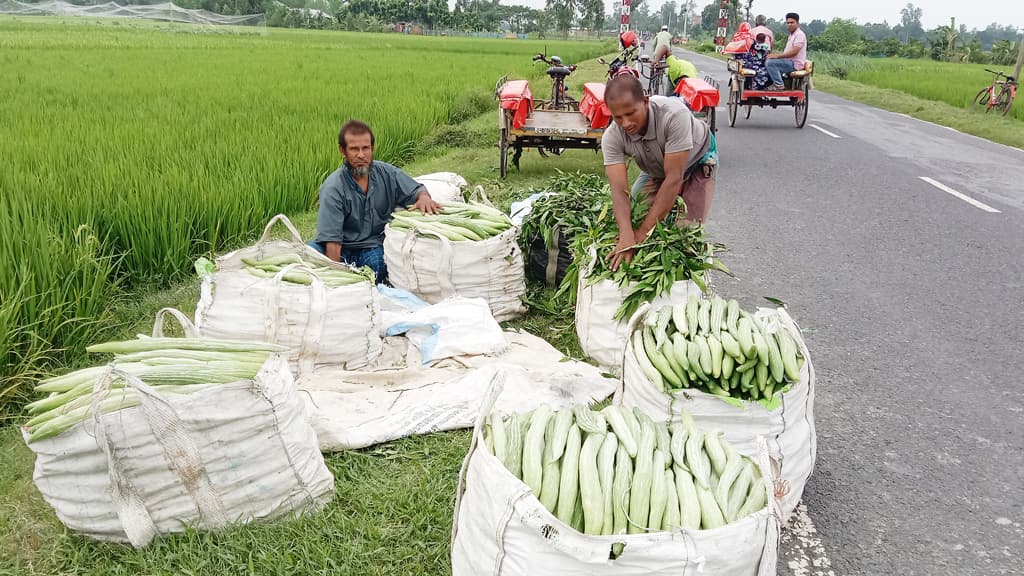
point(796, 93)
point(702, 96)
point(528, 123)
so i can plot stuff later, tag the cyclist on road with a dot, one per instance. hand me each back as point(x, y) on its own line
point(663, 38)
point(677, 68)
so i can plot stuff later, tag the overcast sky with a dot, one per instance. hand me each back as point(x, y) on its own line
point(936, 12)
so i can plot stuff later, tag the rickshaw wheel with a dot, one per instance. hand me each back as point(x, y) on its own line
point(733, 105)
point(800, 109)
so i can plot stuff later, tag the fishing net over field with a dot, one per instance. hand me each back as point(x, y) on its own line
point(165, 12)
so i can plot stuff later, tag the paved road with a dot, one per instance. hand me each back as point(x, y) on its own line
point(913, 302)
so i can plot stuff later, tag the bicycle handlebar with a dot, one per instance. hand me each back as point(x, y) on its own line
point(994, 72)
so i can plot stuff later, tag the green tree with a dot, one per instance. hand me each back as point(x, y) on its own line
point(1004, 53)
point(878, 32)
point(943, 41)
point(910, 22)
point(593, 15)
point(815, 27)
point(841, 36)
point(709, 18)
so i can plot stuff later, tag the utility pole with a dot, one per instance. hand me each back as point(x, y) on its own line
point(1020, 57)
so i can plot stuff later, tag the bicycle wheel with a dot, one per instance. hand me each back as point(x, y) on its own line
point(1003, 101)
point(981, 100)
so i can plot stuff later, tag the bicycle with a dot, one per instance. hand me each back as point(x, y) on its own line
point(657, 78)
point(1000, 99)
point(560, 99)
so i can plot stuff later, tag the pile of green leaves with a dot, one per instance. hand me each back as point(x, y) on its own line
point(572, 206)
point(668, 255)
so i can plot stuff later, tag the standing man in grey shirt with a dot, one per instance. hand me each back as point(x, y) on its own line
point(357, 199)
point(676, 152)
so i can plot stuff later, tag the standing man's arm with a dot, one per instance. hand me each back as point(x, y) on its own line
point(613, 149)
point(618, 181)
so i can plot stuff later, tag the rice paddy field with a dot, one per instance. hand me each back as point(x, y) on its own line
point(952, 83)
point(128, 151)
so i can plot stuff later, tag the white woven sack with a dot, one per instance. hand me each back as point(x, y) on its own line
point(319, 325)
point(234, 453)
point(404, 397)
point(788, 429)
point(501, 529)
point(434, 268)
point(443, 186)
point(601, 336)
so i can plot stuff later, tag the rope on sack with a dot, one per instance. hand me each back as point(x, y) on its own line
point(187, 327)
point(316, 316)
point(265, 237)
point(178, 448)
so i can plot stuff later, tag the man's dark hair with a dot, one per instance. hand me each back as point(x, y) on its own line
point(793, 15)
point(354, 127)
point(622, 87)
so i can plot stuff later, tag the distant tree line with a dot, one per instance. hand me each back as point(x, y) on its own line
point(908, 38)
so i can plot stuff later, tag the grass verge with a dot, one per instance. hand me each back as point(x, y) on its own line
point(996, 128)
point(393, 503)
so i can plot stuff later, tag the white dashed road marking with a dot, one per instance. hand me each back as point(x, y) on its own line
point(823, 131)
point(963, 197)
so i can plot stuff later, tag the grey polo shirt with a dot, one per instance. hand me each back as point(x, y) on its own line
point(671, 127)
point(356, 219)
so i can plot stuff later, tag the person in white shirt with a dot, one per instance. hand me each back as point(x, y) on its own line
point(793, 58)
point(761, 28)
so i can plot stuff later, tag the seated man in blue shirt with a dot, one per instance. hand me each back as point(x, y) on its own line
point(357, 199)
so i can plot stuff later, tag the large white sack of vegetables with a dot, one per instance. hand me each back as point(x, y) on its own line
point(229, 453)
point(786, 420)
point(443, 186)
point(320, 324)
point(601, 335)
point(500, 526)
point(401, 396)
point(435, 267)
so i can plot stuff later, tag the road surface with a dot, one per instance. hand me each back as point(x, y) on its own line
point(899, 247)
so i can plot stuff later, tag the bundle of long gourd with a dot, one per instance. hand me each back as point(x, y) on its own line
point(667, 255)
point(169, 365)
point(617, 471)
point(714, 346)
point(331, 276)
point(457, 221)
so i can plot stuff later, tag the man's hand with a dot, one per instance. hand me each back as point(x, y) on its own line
point(623, 252)
point(641, 233)
point(426, 204)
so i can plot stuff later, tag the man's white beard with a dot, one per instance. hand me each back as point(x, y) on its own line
point(358, 172)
